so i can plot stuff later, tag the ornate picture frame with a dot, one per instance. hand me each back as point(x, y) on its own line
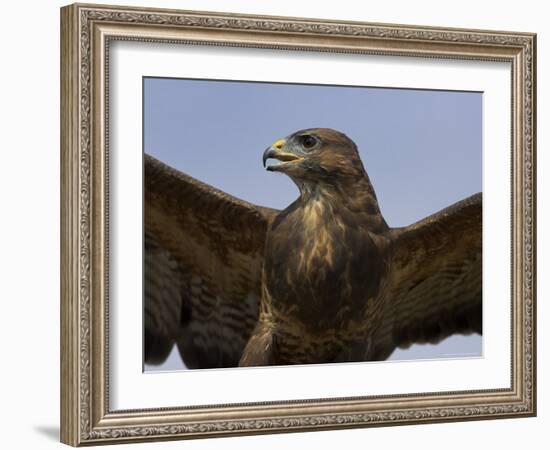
point(87, 32)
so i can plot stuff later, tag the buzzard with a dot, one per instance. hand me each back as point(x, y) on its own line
point(324, 280)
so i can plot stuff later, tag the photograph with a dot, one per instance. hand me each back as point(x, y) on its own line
point(309, 224)
point(275, 224)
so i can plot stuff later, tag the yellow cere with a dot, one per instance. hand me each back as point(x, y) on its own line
point(279, 144)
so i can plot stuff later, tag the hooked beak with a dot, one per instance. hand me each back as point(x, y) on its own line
point(276, 152)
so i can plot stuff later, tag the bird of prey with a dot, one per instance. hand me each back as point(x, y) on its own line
point(324, 280)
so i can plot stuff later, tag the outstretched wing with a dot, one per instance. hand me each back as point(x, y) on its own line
point(434, 286)
point(203, 258)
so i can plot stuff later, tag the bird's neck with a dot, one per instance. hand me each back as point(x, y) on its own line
point(355, 198)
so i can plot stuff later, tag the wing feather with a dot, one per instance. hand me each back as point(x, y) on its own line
point(434, 287)
point(203, 257)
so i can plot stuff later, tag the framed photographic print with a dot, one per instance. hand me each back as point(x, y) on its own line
point(277, 224)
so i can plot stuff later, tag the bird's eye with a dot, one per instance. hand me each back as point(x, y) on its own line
point(308, 142)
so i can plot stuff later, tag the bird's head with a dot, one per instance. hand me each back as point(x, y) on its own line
point(316, 156)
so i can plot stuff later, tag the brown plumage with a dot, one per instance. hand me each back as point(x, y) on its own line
point(325, 280)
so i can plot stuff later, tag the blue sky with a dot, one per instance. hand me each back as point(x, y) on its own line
point(422, 149)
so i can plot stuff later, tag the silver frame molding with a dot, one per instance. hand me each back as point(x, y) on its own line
point(86, 31)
